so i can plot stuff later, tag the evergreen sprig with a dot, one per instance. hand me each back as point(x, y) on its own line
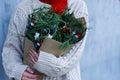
point(63, 28)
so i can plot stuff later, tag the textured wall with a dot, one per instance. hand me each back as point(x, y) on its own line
point(101, 59)
point(6, 8)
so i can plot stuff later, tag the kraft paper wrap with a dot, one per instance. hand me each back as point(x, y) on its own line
point(48, 45)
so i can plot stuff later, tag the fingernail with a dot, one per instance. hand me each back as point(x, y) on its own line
point(32, 72)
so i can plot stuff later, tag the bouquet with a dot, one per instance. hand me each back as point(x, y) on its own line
point(53, 33)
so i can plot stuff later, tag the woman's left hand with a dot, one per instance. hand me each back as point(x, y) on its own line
point(33, 56)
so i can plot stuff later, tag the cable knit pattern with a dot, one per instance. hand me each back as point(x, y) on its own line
point(65, 67)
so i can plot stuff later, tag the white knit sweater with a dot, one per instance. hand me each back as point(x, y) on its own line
point(65, 67)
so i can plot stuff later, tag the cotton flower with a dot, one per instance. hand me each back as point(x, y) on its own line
point(50, 36)
point(74, 32)
point(36, 35)
point(32, 24)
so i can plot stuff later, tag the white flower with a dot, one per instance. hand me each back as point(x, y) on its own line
point(74, 32)
point(36, 35)
point(50, 36)
point(32, 24)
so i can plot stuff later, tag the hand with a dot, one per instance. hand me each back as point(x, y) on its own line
point(33, 56)
point(29, 75)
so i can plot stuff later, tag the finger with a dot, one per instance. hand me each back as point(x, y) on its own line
point(29, 70)
point(40, 76)
point(30, 76)
point(35, 52)
point(26, 78)
point(30, 55)
point(33, 55)
point(31, 62)
point(31, 58)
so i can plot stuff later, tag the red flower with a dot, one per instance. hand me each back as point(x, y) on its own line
point(78, 35)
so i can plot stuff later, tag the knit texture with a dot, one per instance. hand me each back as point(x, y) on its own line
point(65, 67)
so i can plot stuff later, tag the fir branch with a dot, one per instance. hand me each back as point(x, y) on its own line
point(47, 22)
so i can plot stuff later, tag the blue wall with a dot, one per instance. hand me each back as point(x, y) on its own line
point(101, 58)
point(6, 9)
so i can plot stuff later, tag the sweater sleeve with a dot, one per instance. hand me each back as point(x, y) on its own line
point(58, 66)
point(12, 50)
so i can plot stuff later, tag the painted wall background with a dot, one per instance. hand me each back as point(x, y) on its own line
point(6, 9)
point(101, 57)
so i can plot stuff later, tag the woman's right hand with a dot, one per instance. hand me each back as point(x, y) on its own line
point(29, 75)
